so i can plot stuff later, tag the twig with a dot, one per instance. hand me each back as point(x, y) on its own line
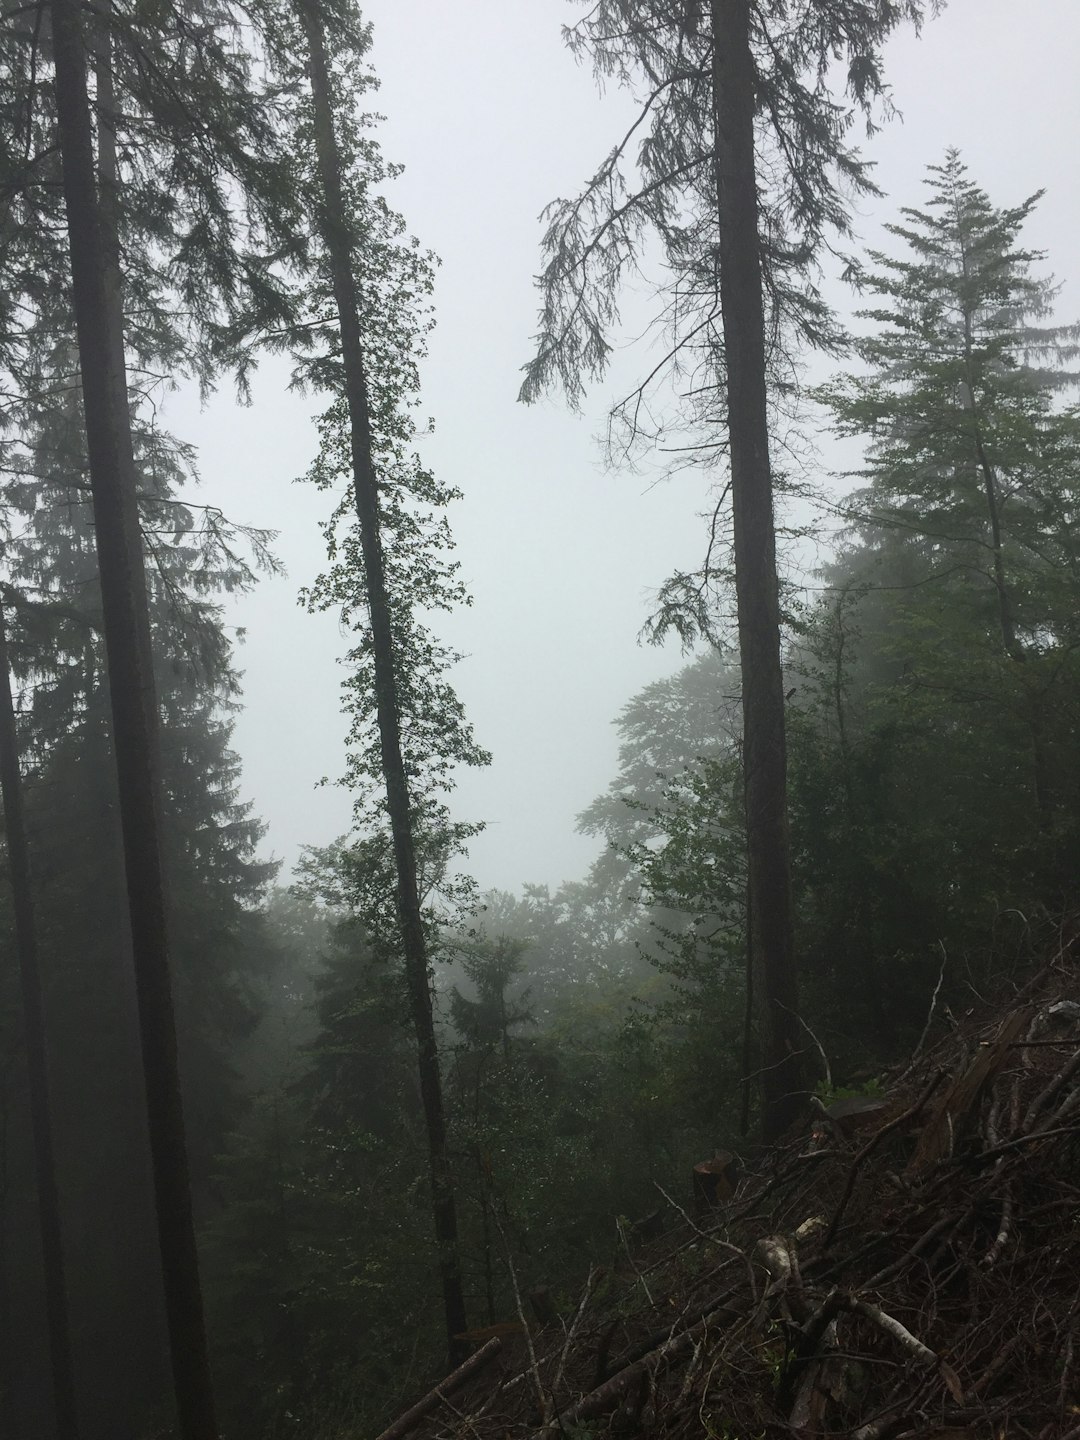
point(869, 1148)
point(676, 1206)
point(1021, 1140)
point(813, 1037)
point(590, 1286)
point(533, 1366)
point(468, 1421)
point(633, 1264)
point(650, 1345)
point(875, 1429)
point(1065, 1383)
point(688, 1378)
point(1002, 1238)
point(713, 1239)
point(997, 1364)
point(1062, 1078)
point(894, 1268)
point(472, 1366)
point(933, 1006)
point(597, 1401)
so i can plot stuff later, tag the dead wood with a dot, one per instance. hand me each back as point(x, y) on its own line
point(454, 1381)
point(871, 1145)
point(956, 1105)
point(845, 1297)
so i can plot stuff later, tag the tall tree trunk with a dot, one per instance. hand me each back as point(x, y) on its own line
point(41, 1115)
point(365, 490)
point(757, 591)
point(1006, 615)
point(98, 317)
point(1010, 641)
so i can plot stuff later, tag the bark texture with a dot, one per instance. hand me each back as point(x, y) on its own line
point(365, 490)
point(41, 1110)
point(764, 749)
point(99, 326)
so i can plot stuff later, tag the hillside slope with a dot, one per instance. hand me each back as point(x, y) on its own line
point(917, 1280)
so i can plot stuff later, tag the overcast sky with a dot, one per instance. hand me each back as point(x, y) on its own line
point(492, 119)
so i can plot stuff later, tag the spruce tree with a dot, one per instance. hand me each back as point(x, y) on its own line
point(972, 463)
point(42, 1113)
point(209, 840)
point(742, 297)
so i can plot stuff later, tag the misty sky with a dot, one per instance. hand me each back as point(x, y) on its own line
point(492, 119)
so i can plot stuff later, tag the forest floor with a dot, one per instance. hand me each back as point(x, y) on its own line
point(917, 1281)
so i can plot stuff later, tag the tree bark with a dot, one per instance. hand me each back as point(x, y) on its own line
point(99, 325)
point(52, 1246)
point(757, 590)
point(365, 490)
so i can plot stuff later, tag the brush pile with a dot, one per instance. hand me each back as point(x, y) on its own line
point(918, 1280)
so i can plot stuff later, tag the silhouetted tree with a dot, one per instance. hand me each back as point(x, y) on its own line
point(37, 1061)
point(740, 254)
point(99, 326)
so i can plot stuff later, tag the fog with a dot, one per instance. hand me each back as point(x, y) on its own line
point(492, 119)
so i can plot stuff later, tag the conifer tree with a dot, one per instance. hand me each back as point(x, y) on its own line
point(36, 1033)
point(209, 840)
point(716, 90)
point(175, 189)
point(972, 463)
point(99, 325)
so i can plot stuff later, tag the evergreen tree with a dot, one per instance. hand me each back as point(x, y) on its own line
point(741, 257)
point(214, 878)
point(94, 252)
point(971, 469)
point(41, 1102)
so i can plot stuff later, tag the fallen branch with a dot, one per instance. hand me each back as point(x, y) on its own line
point(909, 1343)
point(1043, 1099)
point(590, 1286)
point(621, 1228)
point(893, 1269)
point(933, 1006)
point(533, 1366)
point(1035, 1138)
point(605, 1396)
point(1004, 1229)
point(454, 1381)
point(869, 1148)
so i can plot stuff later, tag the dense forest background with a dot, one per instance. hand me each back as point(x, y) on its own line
point(592, 1039)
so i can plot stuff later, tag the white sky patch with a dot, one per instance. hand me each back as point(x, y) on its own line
point(492, 119)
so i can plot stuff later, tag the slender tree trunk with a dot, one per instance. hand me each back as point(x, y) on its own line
point(1006, 616)
point(98, 317)
point(757, 591)
point(52, 1246)
point(1010, 641)
point(365, 490)
point(7, 1408)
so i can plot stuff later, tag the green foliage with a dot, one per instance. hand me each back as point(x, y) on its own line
point(393, 279)
point(663, 184)
point(650, 207)
point(871, 1089)
point(933, 784)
